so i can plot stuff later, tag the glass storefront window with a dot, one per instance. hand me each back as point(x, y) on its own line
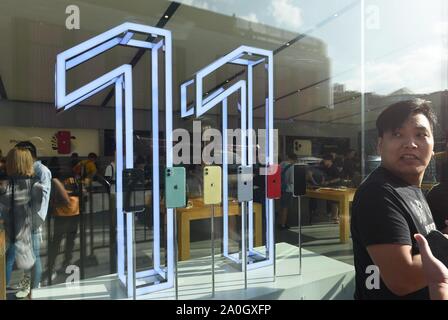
point(336, 66)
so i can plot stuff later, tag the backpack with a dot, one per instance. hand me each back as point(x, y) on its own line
point(283, 177)
point(57, 206)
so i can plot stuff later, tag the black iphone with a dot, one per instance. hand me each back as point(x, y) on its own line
point(439, 245)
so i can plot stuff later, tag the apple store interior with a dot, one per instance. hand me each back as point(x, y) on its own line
point(150, 114)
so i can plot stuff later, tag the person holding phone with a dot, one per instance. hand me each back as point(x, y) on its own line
point(389, 207)
point(287, 188)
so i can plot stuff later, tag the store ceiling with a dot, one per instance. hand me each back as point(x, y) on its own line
point(34, 32)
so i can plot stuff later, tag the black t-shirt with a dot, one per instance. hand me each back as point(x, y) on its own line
point(386, 210)
point(349, 168)
point(330, 173)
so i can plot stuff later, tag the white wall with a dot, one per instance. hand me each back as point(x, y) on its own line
point(87, 140)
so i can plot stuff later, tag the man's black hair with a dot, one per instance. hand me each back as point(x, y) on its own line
point(394, 116)
point(28, 145)
point(328, 156)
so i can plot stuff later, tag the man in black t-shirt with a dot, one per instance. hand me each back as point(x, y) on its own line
point(389, 207)
point(350, 165)
point(331, 178)
point(331, 172)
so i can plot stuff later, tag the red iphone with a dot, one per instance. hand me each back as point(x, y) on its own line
point(274, 186)
point(63, 138)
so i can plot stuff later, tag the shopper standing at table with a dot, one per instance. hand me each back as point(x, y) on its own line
point(287, 188)
point(389, 207)
point(332, 177)
point(349, 169)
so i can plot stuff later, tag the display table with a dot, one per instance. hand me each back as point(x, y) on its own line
point(198, 211)
point(343, 197)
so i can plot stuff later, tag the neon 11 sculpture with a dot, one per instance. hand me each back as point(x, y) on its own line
point(121, 79)
point(248, 57)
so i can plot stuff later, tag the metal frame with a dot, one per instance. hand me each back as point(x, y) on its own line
point(220, 95)
point(121, 78)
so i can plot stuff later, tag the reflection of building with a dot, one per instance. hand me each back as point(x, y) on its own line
point(376, 103)
point(338, 88)
point(303, 63)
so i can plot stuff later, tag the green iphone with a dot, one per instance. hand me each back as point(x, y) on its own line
point(175, 187)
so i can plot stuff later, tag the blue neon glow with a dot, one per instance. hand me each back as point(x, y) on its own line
point(183, 100)
point(119, 178)
point(271, 144)
point(250, 105)
point(129, 254)
point(202, 105)
point(155, 154)
point(225, 182)
point(121, 77)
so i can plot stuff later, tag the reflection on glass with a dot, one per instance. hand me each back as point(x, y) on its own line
point(321, 108)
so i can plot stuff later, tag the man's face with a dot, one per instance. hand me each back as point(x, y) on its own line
point(406, 151)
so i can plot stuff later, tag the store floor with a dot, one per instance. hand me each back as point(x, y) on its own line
point(322, 278)
point(322, 237)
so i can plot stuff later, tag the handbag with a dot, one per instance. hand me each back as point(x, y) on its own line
point(68, 210)
point(24, 254)
point(58, 207)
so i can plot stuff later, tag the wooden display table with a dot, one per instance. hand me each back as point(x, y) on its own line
point(343, 197)
point(198, 211)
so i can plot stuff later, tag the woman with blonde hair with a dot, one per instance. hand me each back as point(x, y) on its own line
point(20, 198)
point(19, 163)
